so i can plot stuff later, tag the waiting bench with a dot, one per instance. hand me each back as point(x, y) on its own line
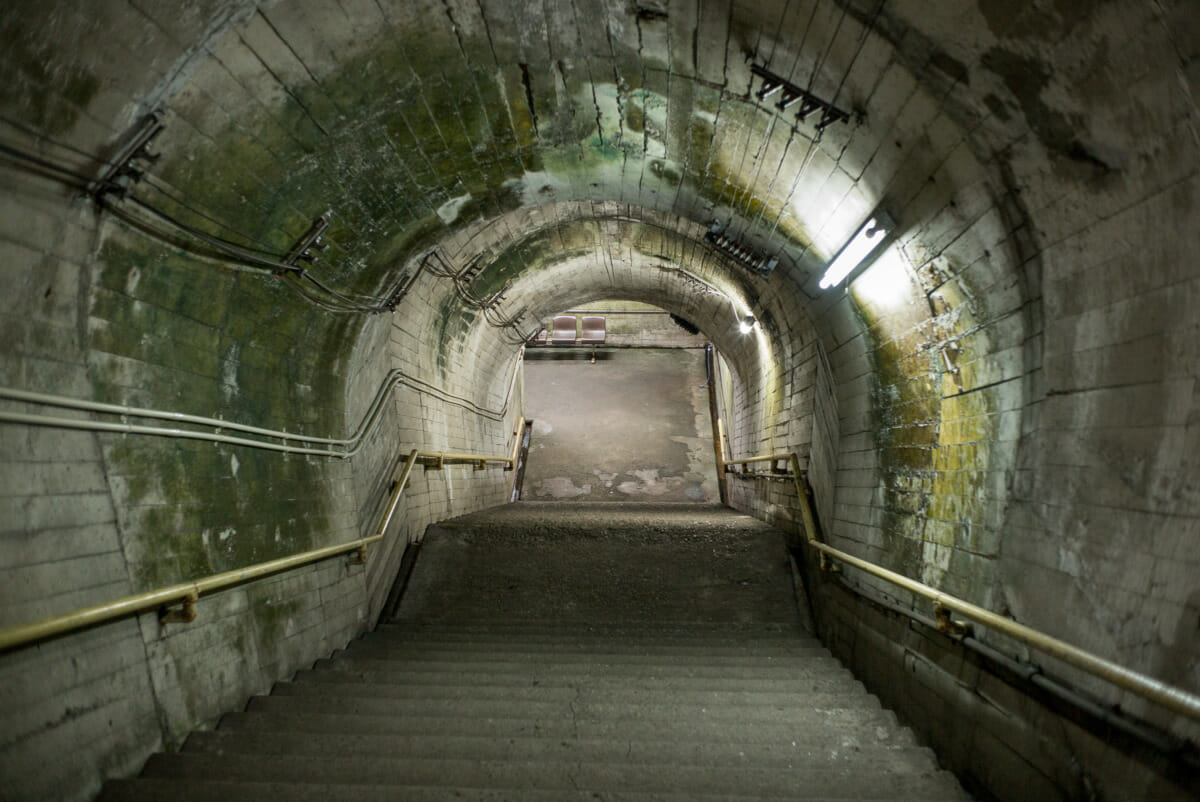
point(570, 330)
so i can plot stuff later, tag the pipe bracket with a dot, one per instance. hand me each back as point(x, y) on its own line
point(185, 613)
point(947, 625)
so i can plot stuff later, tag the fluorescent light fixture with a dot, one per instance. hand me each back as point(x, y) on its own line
point(873, 232)
point(746, 324)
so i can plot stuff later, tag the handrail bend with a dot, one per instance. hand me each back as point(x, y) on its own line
point(1168, 696)
point(217, 429)
point(187, 593)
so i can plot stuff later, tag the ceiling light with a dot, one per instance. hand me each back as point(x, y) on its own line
point(746, 324)
point(758, 263)
point(864, 243)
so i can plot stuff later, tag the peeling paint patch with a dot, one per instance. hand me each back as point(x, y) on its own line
point(649, 483)
point(229, 370)
point(561, 487)
point(450, 210)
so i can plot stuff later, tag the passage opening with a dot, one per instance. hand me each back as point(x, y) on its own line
point(632, 425)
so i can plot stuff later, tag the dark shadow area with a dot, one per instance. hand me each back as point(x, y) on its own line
point(565, 353)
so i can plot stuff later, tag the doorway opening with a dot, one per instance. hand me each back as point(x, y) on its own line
point(634, 425)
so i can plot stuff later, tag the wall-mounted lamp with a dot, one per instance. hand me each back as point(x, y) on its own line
point(862, 245)
point(746, 324)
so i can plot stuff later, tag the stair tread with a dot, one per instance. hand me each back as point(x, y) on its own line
point(849, 781)
point(665, 708)
point(433, 682)
point(581, 699)
point(196, 790)
point(359, 717)
point(560, 625)
point(801, 749)
point(776, 669)
point(551, 643)
point(568, 658)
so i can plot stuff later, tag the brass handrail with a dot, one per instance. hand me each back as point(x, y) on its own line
point(1167, 696)
point(187, 593)
point(518, 436)
point(183, 593)
point(437, 459)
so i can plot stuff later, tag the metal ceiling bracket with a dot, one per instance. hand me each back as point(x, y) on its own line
point(312, 240)
point(790, 94)
point(123, 170)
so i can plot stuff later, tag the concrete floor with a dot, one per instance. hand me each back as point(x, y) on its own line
point(633, 426)
point(601, 564)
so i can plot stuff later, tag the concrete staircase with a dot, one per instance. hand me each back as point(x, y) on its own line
point(547, 652)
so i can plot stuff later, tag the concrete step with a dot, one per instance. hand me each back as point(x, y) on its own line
point(541, 668)
point(532, 633)
point(601, 647)
point(804, 749)
point(668, 707)
point(361, 716)
point(435, 683)
point(533, 627)
point(582, 699)
point(613, 656)
point(191, 790)
point(846, 783)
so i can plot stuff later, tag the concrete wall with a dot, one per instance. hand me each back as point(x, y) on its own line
point(92, 517)
point(1002, 735)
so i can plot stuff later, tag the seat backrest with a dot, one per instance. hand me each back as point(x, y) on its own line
point(564, 329)
point(594, 329)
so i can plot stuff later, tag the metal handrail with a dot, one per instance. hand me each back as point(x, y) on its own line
point(187, 593)
point(772, 458)
point(437, 460)
point(1167, 696)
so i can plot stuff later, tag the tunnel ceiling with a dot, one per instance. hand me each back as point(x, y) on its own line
point(410, 121)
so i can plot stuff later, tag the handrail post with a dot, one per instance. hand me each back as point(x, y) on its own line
point(806, 512)
point(401, 483)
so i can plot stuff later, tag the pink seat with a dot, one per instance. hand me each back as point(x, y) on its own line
point(563, 330)
point(593, 331)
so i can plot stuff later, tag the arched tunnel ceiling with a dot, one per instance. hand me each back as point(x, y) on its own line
point(414, 121)
point(411, 120)
point(546, 259)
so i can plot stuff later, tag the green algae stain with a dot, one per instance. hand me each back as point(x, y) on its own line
point(933, 506)
point(159, 337)
point(40, 80)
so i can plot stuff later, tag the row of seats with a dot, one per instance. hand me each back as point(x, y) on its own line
point(570, 330)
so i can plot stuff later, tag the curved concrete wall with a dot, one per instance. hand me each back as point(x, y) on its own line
point(1003, 405)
